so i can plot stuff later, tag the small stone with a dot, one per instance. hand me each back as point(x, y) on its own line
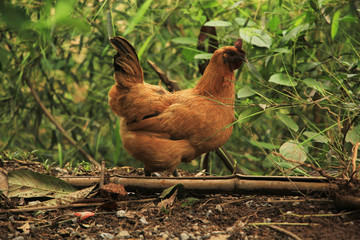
point(143, 220)
point(267, 220)
point(120, 214)
point(297, 203)
point(219, 208)
point(184, 236)
point(123, 234)
point(141, 237)
point(106, 236)
point(163, 235)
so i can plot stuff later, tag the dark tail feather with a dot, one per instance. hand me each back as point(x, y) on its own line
point(126, 62)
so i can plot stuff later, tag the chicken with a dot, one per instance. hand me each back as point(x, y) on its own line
point(162, 129)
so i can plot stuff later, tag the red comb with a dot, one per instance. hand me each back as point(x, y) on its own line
point(238, 44)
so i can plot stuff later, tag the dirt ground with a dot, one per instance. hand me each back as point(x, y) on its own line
point(198, 216)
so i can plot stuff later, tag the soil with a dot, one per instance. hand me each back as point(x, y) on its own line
point(198, 216)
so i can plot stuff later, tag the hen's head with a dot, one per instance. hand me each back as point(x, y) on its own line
point(233, 56)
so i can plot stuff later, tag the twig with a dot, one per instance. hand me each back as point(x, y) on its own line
point(321, 215)
point(319, 170)
point(74, 205)
point(283, 223)
point(279, 229)
point(171, 85)
point(354, 157)
point(58, 126)
point(102, 173)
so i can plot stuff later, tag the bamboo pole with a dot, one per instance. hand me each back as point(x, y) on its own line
point(230, 184)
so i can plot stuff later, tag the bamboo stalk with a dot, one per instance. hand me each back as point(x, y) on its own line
point(231, 184)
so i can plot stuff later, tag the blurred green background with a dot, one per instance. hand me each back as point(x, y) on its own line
point(298, 96)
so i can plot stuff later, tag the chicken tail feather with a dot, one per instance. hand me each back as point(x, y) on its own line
point(126, 63)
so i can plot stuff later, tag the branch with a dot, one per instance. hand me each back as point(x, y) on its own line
point(58, 126)
point(171, 85)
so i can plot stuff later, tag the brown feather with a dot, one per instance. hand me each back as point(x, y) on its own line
point(161, 128)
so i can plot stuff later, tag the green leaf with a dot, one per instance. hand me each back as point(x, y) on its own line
point(185, 40)
point(282, 79)
point(25, 183)
point(189, 54)
point(353, 135)
point(137, 17)
point(274, 23)
point(188, 202)
point(288, 121)
point(335, 24)
point(203, 56)
point(295, 32)
point(217, 24)
point(255, 37)
point(169, 191)
point(305, 67)
point(348, 18)
point(245, 92)
point(293, 151)
point(281, 50)
point(317, 138)
point(312, 83)
point(249, 114)
point(242, 21)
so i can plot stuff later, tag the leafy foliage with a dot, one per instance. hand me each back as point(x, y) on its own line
point(300, 88)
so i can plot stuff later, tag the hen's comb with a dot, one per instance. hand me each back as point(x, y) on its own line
point(238, 44)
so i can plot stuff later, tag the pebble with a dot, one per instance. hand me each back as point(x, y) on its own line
point(184, 236)
point(106, 236)
point(164, 235)
point(123, 234)
point(120, 214)
point(219, 208)
point(143, 220)
point(267, 220)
